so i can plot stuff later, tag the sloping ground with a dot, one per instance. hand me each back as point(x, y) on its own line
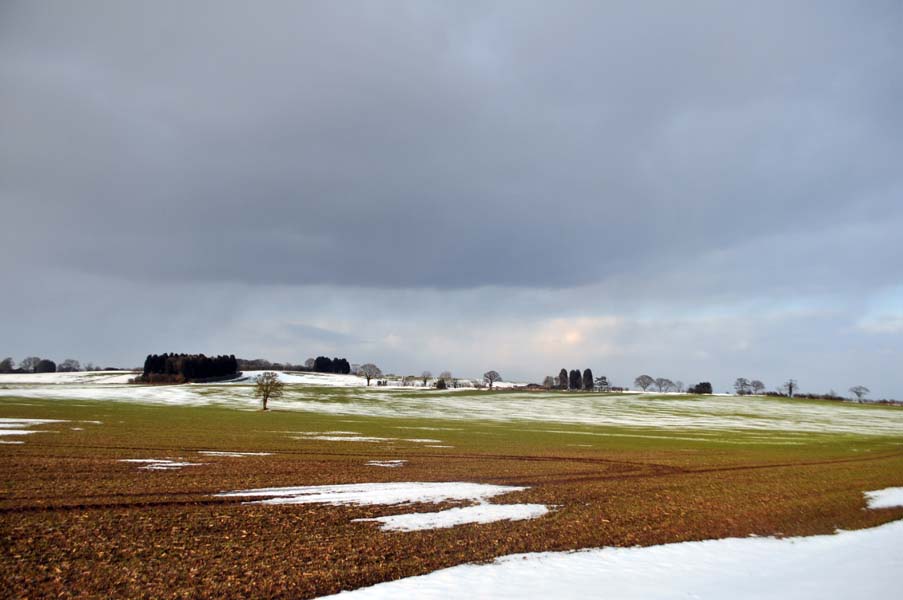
point(246, 378)
point(77, 521)
point(667, 412)
point(79, 377)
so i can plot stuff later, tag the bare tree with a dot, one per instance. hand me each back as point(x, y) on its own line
point(742, 386)
point(7, 365)
point(663, 384)
point(757, 386)
point(548, 382)
point(69, 365)
point(860, 391)
point(790, 386)
point(643, 382)
point(268, 386)
point(679, 386)
point(445, 376)
point(309, 363)
point(425, 376)
point(369, 371)
point(602, 383)
point(491, 377)
point(30, 363)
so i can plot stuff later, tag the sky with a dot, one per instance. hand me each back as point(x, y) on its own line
point(693, 190)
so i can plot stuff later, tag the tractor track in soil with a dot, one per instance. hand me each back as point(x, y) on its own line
point(646, 471)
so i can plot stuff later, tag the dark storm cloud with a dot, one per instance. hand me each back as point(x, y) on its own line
point(438, 144)
point(704, 190)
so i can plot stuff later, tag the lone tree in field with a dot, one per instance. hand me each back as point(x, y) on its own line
point(268, 386)
point(790, 386)
point(643, 382)
point(563, 379)
point(860, 391)
point(757, 386)
point(588, 382)
point(491, 377)
point(742, 386)
point(369, 371)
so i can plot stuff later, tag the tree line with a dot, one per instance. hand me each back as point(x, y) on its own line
point(36, 364)
point(321, 364)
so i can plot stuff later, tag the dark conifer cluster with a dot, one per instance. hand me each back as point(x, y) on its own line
point(703, 387)
point(179, 368)
point(323, 364)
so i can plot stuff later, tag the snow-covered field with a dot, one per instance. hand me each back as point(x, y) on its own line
point(308, 392)
point(80, 377)
point(850, 564)
point(247, 377)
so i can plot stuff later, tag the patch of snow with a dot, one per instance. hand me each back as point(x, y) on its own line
point(438, 446)
point(12, 423)
point(850, 564)
point(340, 436)
point(77, 428)
point(886, 498)
point(14, 426)
point(482, 513)
point(344, 438)
point(6, 442)
point(386, 463)
point(232, 454)
point(432, 428)
point(371, 494)
point(422, 440)
point(160, 464)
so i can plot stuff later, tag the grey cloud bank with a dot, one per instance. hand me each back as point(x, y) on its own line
point(702, 190)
